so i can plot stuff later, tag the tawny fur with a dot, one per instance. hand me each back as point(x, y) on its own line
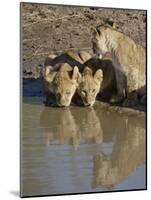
point(108, 84)
point(128, 57)
point(62, 81)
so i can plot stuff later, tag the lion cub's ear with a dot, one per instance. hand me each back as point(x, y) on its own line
point(76, 74)
point(87, 71)
point(47, 70)
point(114, 25)
point(110, 22)
point(95, 31)
point(49, 74)
point(98, 76)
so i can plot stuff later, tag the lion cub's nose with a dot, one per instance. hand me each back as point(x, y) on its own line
point(63, 104)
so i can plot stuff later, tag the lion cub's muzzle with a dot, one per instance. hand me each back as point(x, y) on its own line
point(62, 101)
point(88, 102)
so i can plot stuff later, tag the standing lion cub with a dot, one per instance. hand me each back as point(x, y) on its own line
point(128, 57)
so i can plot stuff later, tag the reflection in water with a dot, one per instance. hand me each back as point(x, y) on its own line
point(73, 150)
point(128, 153)
point(71, 126)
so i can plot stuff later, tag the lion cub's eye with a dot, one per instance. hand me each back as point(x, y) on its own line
point(67, 93)
point(93, 90)
point(84, 92)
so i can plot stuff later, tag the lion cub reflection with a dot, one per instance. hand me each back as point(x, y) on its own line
point(66, 126)
point(128, 153)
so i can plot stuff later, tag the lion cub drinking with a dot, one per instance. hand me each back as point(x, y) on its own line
point(89, 85)
point(61, 81)
point(108, 84)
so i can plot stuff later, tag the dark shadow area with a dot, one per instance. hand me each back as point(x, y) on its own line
point(32, 87)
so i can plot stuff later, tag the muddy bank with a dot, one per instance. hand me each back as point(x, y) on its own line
point(50, 29)
point(137, 110)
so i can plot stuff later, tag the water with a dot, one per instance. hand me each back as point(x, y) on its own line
point(78, 150)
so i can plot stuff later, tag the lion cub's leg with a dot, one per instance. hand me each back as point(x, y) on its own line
point(121, 87)
point(132, 87)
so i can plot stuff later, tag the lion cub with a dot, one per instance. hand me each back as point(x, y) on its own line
point(61, 81)
point(89, 85)
point(107, 80)
point(129, 59)
point(108, 87)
